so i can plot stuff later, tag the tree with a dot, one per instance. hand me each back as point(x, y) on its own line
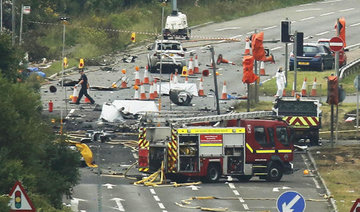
point(10, 58)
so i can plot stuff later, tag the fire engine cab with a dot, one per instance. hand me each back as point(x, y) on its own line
point(249, 147)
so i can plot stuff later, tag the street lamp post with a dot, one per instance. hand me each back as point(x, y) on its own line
point(64, 21)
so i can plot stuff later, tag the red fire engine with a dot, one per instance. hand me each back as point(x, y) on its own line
point(243, 148)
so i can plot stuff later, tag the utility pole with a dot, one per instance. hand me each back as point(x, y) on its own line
point(295, 60)
point(13, 22)
point(163, 4)
point(21, 22)
point(64, 22)
point(337, 74)
point(215, 79)
point(1, 15)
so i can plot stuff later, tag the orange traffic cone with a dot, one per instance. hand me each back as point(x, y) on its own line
point(136, 95)
point(313, 89)
point(137, 76)
point(284, 92)
point(247, 46)
point(191, 67)
point(184, 72)
point(262, 68)
point(303, 88)
point(151, 95)
point(220, 59)
point(123, 82)
point(142, 92)
point(175, 80)
point(224, 92)
point(293, 90)
point(87, 100)
point(186, 80)
point(196, 65)
point(270, 59)
point(155, 89)
point(146, 76)
point(201, 88)
point(75, 95)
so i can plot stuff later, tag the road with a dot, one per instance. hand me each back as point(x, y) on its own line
point(316, 20)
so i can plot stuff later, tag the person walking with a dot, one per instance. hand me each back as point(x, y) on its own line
point(280, 82)
point(84, 86)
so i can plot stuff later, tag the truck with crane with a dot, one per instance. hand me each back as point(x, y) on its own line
point(240, 146)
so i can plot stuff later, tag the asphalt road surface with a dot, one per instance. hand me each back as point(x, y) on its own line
point(316, 20)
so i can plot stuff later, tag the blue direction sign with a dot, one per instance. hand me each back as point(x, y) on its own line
point(291, 201)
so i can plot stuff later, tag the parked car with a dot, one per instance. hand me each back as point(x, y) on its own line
point(342, 55)
point(173, 56)
point(316, 56)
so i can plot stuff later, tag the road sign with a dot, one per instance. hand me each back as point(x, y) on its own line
point(336, 44)
point(26, 10)
point(356, 206)
point(19, 199)
point(291, 201)
point(357, 82)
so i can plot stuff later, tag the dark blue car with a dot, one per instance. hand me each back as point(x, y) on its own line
point(316, 56)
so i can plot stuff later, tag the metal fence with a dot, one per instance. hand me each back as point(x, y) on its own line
point(353, 67)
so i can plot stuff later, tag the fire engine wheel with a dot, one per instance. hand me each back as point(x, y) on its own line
point(213, 173)
point(275, 173)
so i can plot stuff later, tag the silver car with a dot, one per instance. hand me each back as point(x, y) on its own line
point(173, 56)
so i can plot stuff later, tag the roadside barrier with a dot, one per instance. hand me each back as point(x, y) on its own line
point(353, 67)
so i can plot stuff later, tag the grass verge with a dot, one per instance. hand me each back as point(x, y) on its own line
point(340, 168)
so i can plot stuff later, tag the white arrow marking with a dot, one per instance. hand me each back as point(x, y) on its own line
point(275, 189)
point(193, 187)
point(109, 186)
point(287, 208)
point(75, 203)
point(118, 203)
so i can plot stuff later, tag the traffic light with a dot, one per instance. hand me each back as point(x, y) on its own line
point(81, 64)
point(248, 73)
point(285, 31)
point(342, 29)
point(65, 62)
point(333, 90)
point(133, 37)
point(299, 44)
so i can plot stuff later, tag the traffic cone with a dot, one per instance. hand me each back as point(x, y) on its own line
point(155, 89)
point(87, 100)
point(75, 95)
point(303, 88)
point(220, 59)
point(247, 46)
point(186, 80)
point(313, 89)
point(136, 95)
point(196, 65)
point(191, 67)
point(175, 80)
point(201, 88)
point(284, 92)
point(172, 78)
point(262, 68)
point(151, 95)
point(146, 76)
point(224, 92)
point(123, 79)
point(142, 92)
point(270, 59)
point(293, 90)
point(184, 72)
point(137, 77)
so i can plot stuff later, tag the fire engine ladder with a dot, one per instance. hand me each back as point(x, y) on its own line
point(224, 117)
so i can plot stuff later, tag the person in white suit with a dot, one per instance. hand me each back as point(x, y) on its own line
point(280, 82)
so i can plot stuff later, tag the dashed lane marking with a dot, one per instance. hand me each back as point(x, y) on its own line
point(325, 14)
point(310, 9)
point(231, 185)
point(322, 33)
point(308, 18)
point(346, 10)
point(161, 205)
point(152, 191)
point(157, 198)
point(241, 199)
point(270, 27)
point(275, 48)
point(226, 28)
point(236, 192)
point(357, 24)
point(245, 206)
point(326, 2)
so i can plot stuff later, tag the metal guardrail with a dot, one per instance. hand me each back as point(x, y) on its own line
point(350, 68)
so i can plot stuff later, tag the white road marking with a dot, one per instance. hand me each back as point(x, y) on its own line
point(232, 186)
point(310, 9)
point(270, 27)
point(161, 205)
point(152, 191)
point(241, 199)
point(109, 186)
point(236, 36)
point(118, 203)
point(308, 18)
point(75, 203)
point(135, 155)
point(226, 28)
point(229, 178)
point(351, 46)
point(236, 192)
point(325, 14)
point(82, 210)
point(250, 33)
point(193, 187)
point(352, 25)
point(275, 48)
point(157, 198)
point(322, 33)
point(326, 2)
point(285, 187)
point(275, 189)
point(345, 10)
point(71, 112)
point(245, 206)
